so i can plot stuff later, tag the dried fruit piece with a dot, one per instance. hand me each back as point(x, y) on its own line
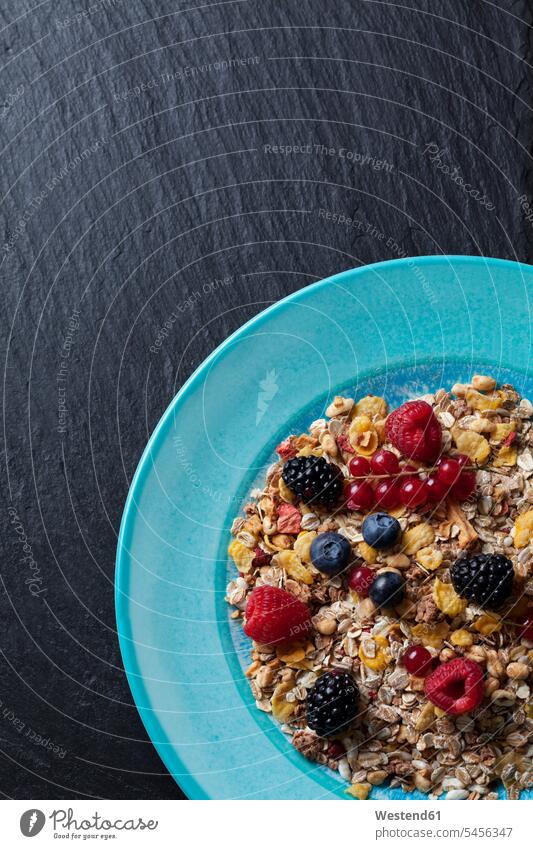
point(429, 558)
point(242, 556)
point(447, 599)
point(475, 446)
point(289, 519)
point(293, 566)
point(374, 654)
point(287, 449)
point(523, 527)
point(302, 545)
point(344, 443)
point(417, 537)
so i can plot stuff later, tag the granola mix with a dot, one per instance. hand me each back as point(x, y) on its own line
point(398, 734)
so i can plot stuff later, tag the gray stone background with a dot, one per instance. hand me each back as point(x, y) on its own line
point(198, 160)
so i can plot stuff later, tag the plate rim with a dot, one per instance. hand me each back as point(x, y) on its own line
point(188, 783)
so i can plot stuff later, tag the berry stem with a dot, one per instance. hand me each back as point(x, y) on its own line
point(408, 473)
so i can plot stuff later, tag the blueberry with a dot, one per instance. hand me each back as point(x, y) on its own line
point(387, 589)
point(330, 552)
point(381, 530)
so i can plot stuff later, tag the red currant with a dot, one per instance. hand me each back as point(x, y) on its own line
point(359, 496)
point(526, 626)
point(388, 494)
point(359, 467)
point(448, 470)
point(413, 492)
point(464, 487)
point(436, 490)
point(418, 661)
point(462, 459)
point(336, 750)
point(360, 579)
point(384, 462)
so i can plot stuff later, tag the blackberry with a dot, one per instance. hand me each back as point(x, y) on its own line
point(484, 578)
point(312, 479)
point(332, 702)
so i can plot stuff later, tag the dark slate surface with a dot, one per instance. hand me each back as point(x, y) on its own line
point(136, 169)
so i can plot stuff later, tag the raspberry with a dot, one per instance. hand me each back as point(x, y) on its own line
point(274, 615)
point(415, 431)
point(332, 702)
point(484, 578)
point(456, 686)
point(313, 479)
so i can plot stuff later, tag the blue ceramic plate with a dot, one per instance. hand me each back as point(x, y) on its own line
point(395, 329)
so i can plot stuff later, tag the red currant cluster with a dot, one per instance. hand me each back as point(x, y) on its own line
point(397, 484)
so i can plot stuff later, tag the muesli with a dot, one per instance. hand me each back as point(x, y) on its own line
point(385, 578)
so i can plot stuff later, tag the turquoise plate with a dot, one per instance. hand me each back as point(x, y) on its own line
point(396, 329)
